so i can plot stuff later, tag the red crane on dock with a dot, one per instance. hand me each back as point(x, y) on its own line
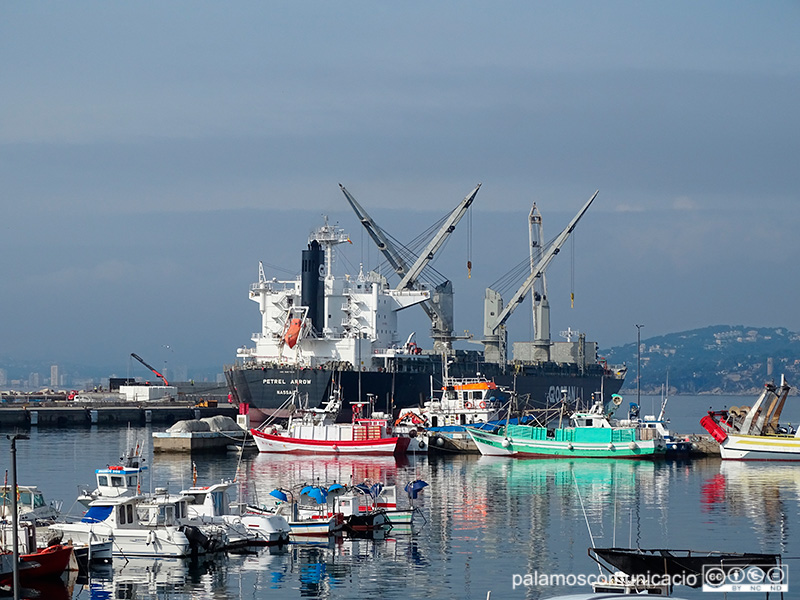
point(141, 360)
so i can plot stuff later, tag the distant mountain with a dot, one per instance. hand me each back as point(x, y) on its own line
point(721, 359)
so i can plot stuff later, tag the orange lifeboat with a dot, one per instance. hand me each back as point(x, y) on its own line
point(292, 333)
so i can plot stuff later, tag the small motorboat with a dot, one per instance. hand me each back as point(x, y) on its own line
point(51, 561)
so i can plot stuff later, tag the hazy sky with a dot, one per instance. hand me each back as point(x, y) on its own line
point(151, 153)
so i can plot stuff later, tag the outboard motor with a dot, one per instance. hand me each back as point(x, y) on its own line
point(196, 538)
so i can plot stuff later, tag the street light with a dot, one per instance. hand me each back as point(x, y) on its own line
point(14, 518)
point(639, 365)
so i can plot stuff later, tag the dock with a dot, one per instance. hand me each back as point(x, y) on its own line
point(80, 414)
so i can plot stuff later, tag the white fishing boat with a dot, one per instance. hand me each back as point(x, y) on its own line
point(124, 479)
point(315, 431)
point(31, 505)
point(441, 422)
point(675, 447)
point(144, 526)
point(211, 505)
point(308, 514)
point(755, 433)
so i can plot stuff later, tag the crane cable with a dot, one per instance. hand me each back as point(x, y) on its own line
point(469, 242)
point(572, 274)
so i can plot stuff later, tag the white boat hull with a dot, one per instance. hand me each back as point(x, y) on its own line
point(287, 445)
point(169, 542)
point(760, 447)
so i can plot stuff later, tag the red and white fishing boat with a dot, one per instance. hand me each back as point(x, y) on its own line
point(314, 431)
point(755, 433)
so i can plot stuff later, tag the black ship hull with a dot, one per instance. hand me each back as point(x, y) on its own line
point(267, 389)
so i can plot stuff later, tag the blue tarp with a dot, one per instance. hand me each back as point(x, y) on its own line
point(96, 514)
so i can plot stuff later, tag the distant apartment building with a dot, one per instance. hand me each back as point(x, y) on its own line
point(54, 376)
point(34, 380)
point(3, 378)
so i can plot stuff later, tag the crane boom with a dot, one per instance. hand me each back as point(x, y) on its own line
point(141, 360)
point(440, 312)
point(377, 235)
point(492, 325)
point(436, 242)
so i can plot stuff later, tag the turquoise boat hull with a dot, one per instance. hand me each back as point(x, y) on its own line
point(523, 441)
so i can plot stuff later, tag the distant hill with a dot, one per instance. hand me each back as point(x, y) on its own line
point(721, 359)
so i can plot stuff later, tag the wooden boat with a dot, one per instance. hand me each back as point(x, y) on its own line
point(314, 431)
point(590, 434)
point(755, 433)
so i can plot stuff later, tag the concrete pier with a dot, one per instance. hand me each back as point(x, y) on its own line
point(59, 415)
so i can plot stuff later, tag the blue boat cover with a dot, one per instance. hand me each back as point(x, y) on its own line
point(320, 494)
point(413, 488)
point(279, 495)
point(97, 514)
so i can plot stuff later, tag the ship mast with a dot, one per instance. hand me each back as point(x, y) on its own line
point(329, 236)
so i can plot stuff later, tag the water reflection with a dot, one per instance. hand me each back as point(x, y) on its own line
point(760, 496)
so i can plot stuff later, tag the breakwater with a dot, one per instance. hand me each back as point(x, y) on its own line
point(115, 413)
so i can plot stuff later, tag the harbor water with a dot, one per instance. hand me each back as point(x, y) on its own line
point(488, 522)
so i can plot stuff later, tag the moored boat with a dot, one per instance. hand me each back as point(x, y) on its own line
point(210, 504)
point(51, 561)
point(441, 422)
point(755, 433)
point(590, 434)
point(314, 431)
point(143, 526)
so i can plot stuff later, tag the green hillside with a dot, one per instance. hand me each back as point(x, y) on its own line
point(720, 359)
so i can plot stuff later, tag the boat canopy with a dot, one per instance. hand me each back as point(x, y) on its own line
point(97, 514)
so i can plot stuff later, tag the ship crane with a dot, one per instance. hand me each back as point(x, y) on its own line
point(496, 313)
point(439, 307)
point(141, 360)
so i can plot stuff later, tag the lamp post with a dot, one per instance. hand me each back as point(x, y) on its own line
point(639, 365)
point(14, 509)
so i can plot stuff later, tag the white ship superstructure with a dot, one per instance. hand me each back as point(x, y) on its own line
point(334, 320)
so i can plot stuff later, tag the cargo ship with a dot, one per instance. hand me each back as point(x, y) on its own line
point(322, 331)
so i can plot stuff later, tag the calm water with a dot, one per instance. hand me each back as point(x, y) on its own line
point(487, 519)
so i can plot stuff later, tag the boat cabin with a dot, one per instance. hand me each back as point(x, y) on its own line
point(208, 501)
point(136, 512)
point(31, 505)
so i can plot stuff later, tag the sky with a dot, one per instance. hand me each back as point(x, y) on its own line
point(152, 153)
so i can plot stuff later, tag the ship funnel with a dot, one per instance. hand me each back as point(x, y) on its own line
point(311, 295)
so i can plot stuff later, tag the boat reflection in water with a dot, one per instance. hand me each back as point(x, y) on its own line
point(316, 567)
point(757, 495)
